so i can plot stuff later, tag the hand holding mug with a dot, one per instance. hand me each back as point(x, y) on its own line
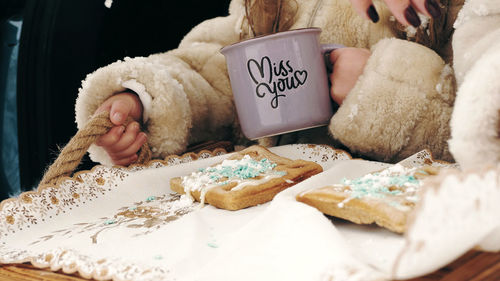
point(279, 82)
point(348, 65)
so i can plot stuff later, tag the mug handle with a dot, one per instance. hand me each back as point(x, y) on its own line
point(326, 49)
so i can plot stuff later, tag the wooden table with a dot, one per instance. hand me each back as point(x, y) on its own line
point(473, 266)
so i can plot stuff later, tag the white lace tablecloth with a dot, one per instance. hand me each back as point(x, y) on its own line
point(126, 224)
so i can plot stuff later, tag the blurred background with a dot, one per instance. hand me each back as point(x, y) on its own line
point(47, 49)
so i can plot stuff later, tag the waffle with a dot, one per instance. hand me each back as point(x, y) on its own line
point(247, 178)
point(384, 198)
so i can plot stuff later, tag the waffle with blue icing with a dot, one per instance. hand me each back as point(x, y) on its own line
point(249, 177)
point(384, 198)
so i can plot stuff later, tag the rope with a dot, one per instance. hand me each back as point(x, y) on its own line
point(71, 155)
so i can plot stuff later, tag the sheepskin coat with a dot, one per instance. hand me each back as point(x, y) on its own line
point(402, 103)
point(475, 123)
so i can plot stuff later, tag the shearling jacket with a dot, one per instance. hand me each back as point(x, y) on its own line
point(475, 123)
point(401, 104)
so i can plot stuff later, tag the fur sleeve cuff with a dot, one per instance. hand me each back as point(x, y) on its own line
point(145, 98)
point(169, 113)
point(99, 155)
point(477, 28)
point(396, 108)
point(476, 115)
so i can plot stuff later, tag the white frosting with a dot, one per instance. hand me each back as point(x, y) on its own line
point(243, 172)
point(376, 185)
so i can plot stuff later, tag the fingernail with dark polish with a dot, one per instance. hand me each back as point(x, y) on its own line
point(433, 8)
point(412, 17)
point(372, 13)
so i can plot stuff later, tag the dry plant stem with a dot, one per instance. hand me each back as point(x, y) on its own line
point(71, 155)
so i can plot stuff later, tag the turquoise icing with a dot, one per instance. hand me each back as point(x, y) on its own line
point(240, 170)
point(212, 245)
point(108, 222)
point(150, 198)
point(377, 186)
point(402, 180)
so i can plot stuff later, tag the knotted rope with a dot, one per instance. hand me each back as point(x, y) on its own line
point(70, 156)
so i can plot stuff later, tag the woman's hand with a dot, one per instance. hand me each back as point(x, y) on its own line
point(348, 65)
point(122, 143)
point(405, 11)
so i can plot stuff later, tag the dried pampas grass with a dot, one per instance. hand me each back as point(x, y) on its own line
point(269, 16)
